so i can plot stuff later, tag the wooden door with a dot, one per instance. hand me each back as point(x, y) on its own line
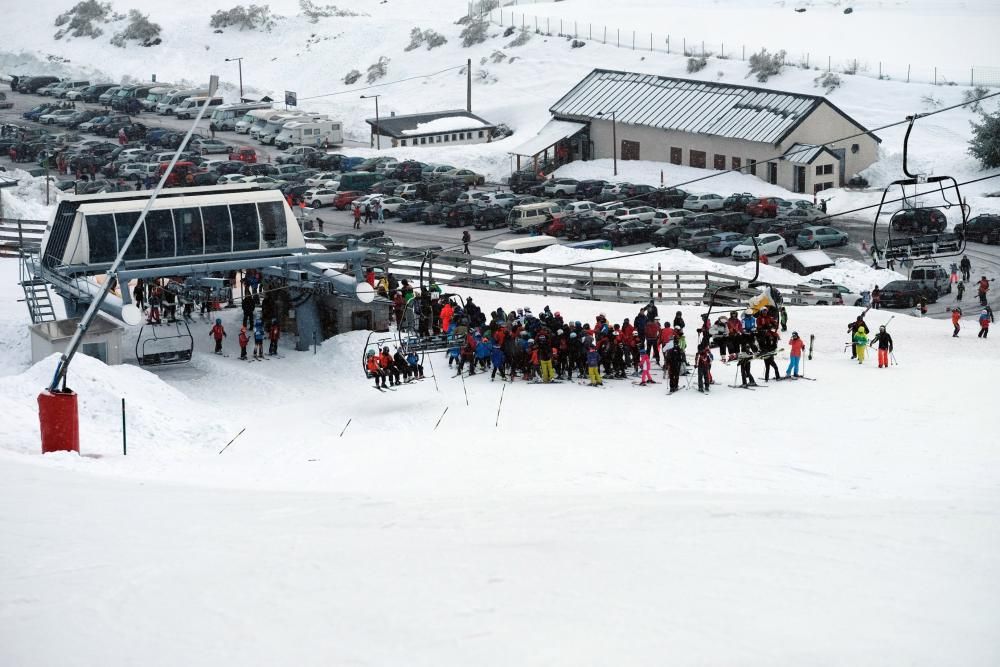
point(630, 150)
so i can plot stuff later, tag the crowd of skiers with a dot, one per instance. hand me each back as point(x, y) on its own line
point(545, 347)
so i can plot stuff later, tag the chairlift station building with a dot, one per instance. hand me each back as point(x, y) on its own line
point(714, 125)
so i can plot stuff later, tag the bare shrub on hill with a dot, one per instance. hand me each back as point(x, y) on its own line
point(428, 38)
point(83, 20)
point(765, 65)
point(250, 17)
point(696, 64)
point(972, 97)
point(828, 81)
point(474, 33)
point(139, 29)
point(931, 102)
point(523, 37)
point(378, 69)
point(352, 77)
point(315, 12)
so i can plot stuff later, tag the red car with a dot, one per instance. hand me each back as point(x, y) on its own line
point(244, 154)
point(766, 207)
point(344, 199)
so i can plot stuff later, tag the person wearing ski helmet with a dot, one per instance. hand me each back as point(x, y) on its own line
point(273, 334)
point(218, 332)
point(956, 317)
point(884, 341)
point(985, 318)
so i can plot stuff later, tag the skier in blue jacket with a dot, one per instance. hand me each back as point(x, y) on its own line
point(483, 352)
point(498, 360)
point(258, 339)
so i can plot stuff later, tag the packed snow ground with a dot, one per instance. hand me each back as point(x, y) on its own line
point(851, 520)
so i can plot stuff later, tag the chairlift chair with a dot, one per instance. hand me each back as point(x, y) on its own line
point(154, 349)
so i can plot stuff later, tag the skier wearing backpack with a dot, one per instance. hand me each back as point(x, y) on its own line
point(884, 341)
point(258, 339)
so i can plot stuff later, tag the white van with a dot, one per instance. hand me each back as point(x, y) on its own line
point(169, 102)
point(274, 124)
point(228, 116)
point(530, 244)
point(157, 95)
point(524, 217)
point(63, 87)
point(260, 119)
point(189, 107)
point(309, 133)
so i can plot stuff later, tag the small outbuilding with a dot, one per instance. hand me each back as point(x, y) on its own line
point(805, 262)
point(437, 128)
point(103, 340)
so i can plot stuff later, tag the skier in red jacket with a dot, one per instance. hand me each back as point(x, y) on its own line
point(218, 332)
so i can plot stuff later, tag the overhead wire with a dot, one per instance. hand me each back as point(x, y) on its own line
point(381, 85)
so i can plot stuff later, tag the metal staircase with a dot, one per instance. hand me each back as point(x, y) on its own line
point(36, 294)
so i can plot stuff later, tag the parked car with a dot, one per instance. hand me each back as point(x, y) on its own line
point(696, 240)
point(560, 187)
point(628, 232)
point(411, 190)
point(905, 294)
point(642, 213)
point(722, 244)
point(466, 176)
point(984, 228)
point(932, 277)
point(765, 207)
point(264, 182)
point(435, 171)
point(459, 215)
point(667, 217)
point(589, 188)
point(412, 210)
point(344, 198)
point(737, 201)
point(707, 202)
point(733, 222)
point(296, 155)
point(206, 146)
point(522, 181)
point(922, 220)
point(820, 237)
point(767, 244)
point(947, 242)
point(805, 214)
point(408, 171)
point(583, 227)
point(502, 199)
point(433, 214)
point(391, 204)
point(53, 117)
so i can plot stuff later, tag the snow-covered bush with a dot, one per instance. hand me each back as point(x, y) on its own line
point(985, 142)
point(577, 44)
point(416, 39)
point(930, 101)
point(251, 17)
point(828, 81)
point(523, 36)
point(352, 77)
point(378, 69)
point(316, 12)
point(972, 97)
point(139, 29)
point(427, 37)
point(696, 64)
point(474, 33)
point(765, 65)
point(83, 20)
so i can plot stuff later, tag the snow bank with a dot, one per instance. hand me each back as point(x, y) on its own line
point(26, 201)
point(446, 125)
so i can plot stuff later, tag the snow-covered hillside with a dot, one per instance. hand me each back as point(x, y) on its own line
point(512, 84)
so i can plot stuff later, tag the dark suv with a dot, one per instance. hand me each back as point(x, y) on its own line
point(905, 294)
point(982, 228)
point(522, 181)
point(585, 227)
point(589, 189)
point(491, 217)
point(627, 233)
point(459, 215)
point(668, 198)
point(923, 220)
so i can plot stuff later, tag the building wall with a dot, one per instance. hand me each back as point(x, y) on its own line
point(470, 137)
point(823, 124)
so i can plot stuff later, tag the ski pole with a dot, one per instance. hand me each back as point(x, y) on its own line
point(893, 355)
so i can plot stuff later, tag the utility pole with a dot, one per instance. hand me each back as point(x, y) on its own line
point(468, 85)
point(378, 136)
point(239, 61)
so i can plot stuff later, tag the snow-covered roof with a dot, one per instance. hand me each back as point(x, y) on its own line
point(684, 105)
point(812, 258)
point(434, 122)
point(805, 153)
point(551, 132)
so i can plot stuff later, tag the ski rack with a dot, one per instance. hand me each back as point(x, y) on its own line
point(930, 252)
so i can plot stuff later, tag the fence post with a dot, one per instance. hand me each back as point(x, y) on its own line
point(618, 285)
point(685, 43)
point(619, 37)
point(807, 60)
point(880, 69)
point(722, 51)
point(545, 280)
point(605, 35)
point(702, 48)
point(935, 75)
point(650, 42)
point(677, 282)
point(522, 21)
point(972, 76)
point(510, 269)
point(430, 269)
point(829, 63)
point(560, 27)
point(907, 74)
point(536, 24)
point(575, 35)
point(659, 280)
point(668, 44)
point(633, 40)
point(591, 282)
point(590, 31)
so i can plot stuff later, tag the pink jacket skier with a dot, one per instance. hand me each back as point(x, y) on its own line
point(644, 368)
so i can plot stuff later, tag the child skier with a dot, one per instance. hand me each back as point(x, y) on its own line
point(860, 339)
point(593, 360)
point(796, 345)
point(274, 334)
point(703, 361)
point(258, 339)
point(218, 333)
point(643, 368)
point(373, 368)
point(244, 339)
point(984, 322)
point(497, 359)
point(956, 315)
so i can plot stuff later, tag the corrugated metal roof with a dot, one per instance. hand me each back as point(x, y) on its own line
point(802, 153)
point(682, 105)
point(551, 133)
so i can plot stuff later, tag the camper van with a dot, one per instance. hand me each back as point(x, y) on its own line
point(228, 116)
point(123, 99)
point(261, 116)
point(309, 133)
point(189, 107)
point(168, 103)
point(526, 216)
point(157, 95)
point(274, 125)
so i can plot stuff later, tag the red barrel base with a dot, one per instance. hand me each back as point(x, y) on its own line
point(59, 421)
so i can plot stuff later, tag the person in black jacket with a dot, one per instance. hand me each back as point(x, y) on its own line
point(884, 341)
point(678, 320)
point(466, 240)
point(249, 304)
point(651, 312)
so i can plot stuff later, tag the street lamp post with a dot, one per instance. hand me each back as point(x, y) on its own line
point(614, 137)
point(378, 140)
point(239, 61)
